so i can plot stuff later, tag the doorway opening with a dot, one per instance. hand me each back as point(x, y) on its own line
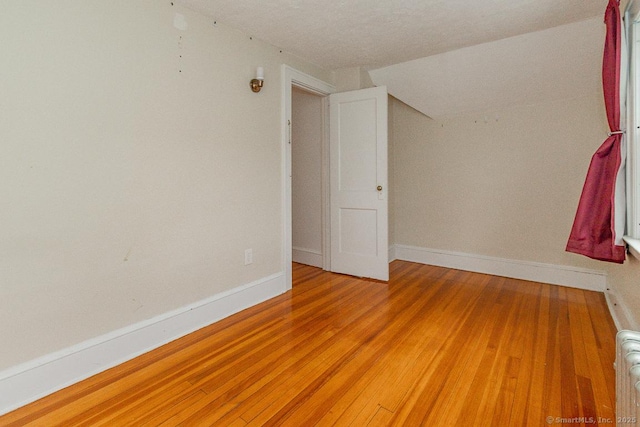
point(308, 178)
point(302, 83)
point(349, 234)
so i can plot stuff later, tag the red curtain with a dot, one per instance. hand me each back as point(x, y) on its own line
point(594, 229)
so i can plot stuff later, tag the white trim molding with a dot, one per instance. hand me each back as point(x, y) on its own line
point(622, 317)
point(592, 280)
point(392, 253)
point(33, 380)
point(308, 257)
point(292, 77)
point(633, 245)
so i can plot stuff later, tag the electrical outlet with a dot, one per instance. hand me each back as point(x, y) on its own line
point(248, 256)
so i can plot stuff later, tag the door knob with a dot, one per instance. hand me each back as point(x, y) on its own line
point(379, 187)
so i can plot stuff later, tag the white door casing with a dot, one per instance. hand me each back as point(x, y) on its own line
point(358, 176)
point(292, 77)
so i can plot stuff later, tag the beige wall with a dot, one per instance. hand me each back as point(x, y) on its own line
point(136, 166)
point(497, 183)
point(393, 106)
point(353, 78)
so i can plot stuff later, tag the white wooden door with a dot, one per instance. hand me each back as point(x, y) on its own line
point(358, 175)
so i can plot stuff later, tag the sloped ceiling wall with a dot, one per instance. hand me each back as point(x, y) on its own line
point(557, 63)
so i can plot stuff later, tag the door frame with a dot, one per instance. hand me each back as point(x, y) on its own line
point(292, 77)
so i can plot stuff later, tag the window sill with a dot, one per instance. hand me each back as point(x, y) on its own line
point(633, 245)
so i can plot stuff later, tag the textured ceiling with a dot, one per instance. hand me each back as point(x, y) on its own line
point(375, 33)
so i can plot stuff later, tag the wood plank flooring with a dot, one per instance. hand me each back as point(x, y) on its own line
point(433, 347)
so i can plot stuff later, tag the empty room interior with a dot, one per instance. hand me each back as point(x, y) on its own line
point(245, 212)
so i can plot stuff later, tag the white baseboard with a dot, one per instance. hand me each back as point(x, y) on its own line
point(32, 380)
point(593, 280)
point(620, 312)
point(392, 253)
point(307, 257)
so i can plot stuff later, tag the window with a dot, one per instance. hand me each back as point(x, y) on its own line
point(632, 26)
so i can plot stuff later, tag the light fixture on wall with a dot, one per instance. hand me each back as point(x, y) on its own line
point(256, 84)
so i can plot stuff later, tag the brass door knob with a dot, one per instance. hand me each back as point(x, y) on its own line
point(379, 187)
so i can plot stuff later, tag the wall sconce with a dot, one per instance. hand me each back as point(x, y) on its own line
point(256, 84)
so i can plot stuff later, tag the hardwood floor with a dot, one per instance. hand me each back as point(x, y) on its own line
point(433, 347)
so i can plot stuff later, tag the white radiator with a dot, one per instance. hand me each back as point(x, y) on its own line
point(627, 378)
